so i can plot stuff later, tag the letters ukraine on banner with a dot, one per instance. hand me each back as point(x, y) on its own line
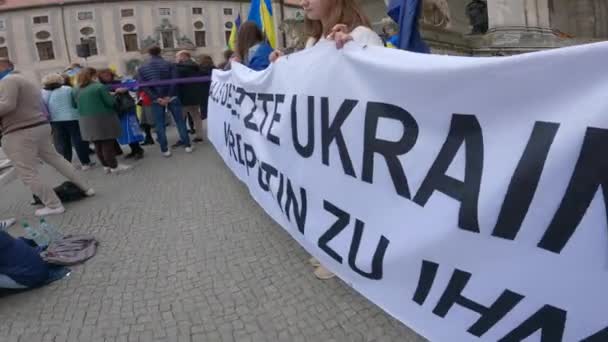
point(464, 196)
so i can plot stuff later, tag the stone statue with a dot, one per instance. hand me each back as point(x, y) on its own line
point(477, 11)
point(148, 43)
point(436, 13)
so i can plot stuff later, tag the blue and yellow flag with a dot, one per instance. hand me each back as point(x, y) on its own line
point(406, 14)
point(261, 13)
point(234, 33)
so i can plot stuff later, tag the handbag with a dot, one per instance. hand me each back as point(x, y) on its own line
point(124, 103)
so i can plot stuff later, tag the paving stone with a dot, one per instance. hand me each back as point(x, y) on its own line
point(185, 254)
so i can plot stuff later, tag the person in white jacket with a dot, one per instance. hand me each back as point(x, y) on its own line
point(341, 21)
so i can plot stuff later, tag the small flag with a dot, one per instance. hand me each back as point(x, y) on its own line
point(234, 32)
point(261, 13)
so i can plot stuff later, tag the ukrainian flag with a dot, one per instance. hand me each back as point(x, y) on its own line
point(261, 13)
point(234, 33)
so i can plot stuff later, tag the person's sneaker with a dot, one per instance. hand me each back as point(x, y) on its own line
point(147, 142)
point(177, 144)
point(323, 273)
point(139, 155)
point(120, 168)
point(167, 154)
point(130, 155)
point(87, 167)
point(90, 192)
point(46, 211)
point(5, 224)
point(189, 149)
point(197, 140)
point(106, 169)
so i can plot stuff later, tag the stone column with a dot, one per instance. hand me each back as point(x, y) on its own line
point(520, 24)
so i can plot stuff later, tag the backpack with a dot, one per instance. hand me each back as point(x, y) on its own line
point(124, 103)
point(67, 192)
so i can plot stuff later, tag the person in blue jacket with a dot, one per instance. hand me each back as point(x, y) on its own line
point(20, 264)
point(252, 49)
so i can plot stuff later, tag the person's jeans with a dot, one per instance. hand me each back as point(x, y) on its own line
point(66, 134)
point(7, 282)
point(159, 121)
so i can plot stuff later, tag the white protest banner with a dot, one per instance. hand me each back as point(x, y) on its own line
point(464, 196)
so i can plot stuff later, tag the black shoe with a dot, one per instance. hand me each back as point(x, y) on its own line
point(148, 142)
point(192, 132)
point(177, 144)
point(131, 155)
point(197, 140)
point(139, 155)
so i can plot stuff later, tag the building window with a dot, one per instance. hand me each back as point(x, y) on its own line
point(2, 25)
point(167, 38)
point(85, 15)
point(199, 39)
point(197, 10)
point(228, 34)
point(227, 11)
point(2, 40)
point(199, 25)
point(127, 12)
point(44, 19)
point(92, 42)
point(131, 42)
point(228, 25)
point(164, 11)
point(4, 52)
point(45, 51)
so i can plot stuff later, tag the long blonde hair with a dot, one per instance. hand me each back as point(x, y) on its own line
point(347, 12)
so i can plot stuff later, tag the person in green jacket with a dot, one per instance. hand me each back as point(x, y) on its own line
point(99, 122)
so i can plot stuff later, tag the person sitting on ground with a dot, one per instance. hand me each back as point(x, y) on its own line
point(341, 21)
point(64, 120)
point(190, 94)
point(21, 266)
point(252, 50)
point(99, 121)
point(26, 138)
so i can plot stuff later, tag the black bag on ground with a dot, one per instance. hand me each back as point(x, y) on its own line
point(67, 192)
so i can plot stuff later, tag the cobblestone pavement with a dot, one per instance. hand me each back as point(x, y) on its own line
point(185, 255)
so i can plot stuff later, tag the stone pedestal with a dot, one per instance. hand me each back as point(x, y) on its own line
point(521, 25)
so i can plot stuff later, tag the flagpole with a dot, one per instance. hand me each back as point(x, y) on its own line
point(282, 5)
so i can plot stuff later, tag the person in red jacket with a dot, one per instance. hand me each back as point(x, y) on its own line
point(147, 117)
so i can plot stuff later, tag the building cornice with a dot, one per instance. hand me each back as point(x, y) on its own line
point(69, 3)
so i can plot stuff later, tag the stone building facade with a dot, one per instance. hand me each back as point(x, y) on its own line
point(515, 26)
point(42, 36)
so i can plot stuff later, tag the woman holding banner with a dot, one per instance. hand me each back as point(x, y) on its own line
point(341, 21)
point(251, 48)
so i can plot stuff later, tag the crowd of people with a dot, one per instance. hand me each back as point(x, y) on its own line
point(100, 110)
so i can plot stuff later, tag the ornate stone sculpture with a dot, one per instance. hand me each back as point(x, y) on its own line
point(436, 13)
point(477, 11)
